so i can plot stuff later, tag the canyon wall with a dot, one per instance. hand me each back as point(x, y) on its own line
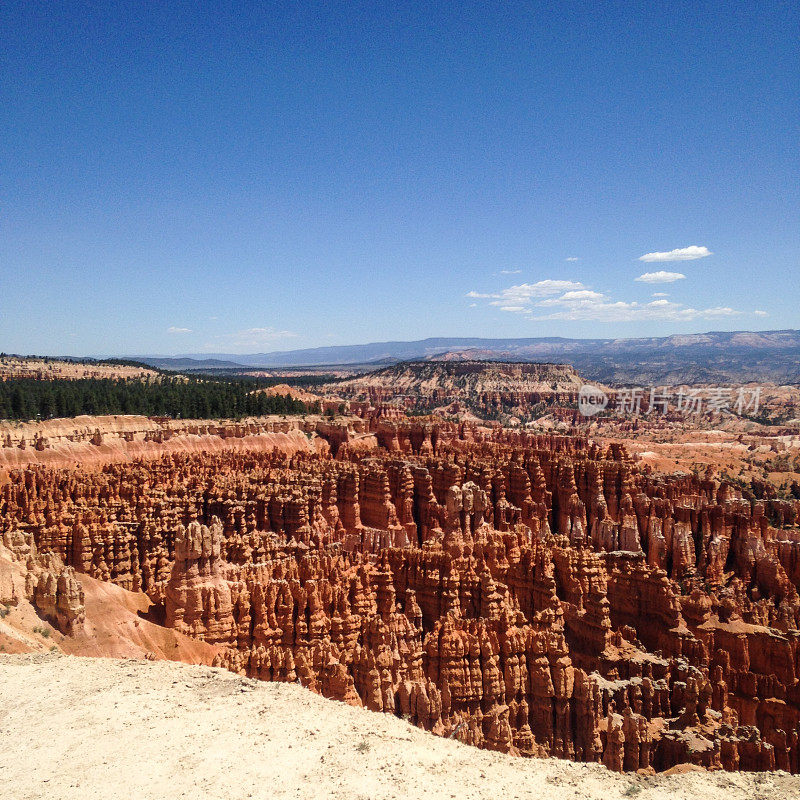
point(524, 593)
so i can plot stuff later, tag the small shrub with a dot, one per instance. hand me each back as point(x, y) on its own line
point(363, 746)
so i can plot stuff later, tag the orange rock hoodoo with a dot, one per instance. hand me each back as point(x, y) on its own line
point(528, 594)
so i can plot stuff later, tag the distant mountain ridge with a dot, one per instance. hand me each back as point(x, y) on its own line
point(188, 363)
point(716, 356)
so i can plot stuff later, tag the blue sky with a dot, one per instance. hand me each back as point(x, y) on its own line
point(234, 177)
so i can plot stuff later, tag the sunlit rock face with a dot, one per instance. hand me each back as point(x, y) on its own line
point(529, 594)
point(487, 388)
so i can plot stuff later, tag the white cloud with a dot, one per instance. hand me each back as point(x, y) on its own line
point(174, 329)
point(523, 293)
point(572, 258)
point(679, 254)
point(660, 294)
point(582, 294)
point(619, 311)
point(603, 309)
point(572, 300)
point(510, 271)
point(721, 311)
point(759, 313)
point(257, 336)
point(249, 339)
point(661, 277)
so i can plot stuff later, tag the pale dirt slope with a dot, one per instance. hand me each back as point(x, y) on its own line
point(89, 729)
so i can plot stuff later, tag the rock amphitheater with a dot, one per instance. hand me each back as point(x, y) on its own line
point(535, 595)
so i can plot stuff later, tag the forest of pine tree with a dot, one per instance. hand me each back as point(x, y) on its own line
point(180, 398)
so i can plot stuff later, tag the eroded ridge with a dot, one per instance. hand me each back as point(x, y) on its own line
point(524, 593)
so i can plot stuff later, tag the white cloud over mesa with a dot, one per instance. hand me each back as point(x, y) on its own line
point(574, 301)
point(680, 254)
point(175, 329)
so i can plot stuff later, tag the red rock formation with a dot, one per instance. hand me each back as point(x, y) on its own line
point(197, 597)
point(530, 594)
point(53, 589)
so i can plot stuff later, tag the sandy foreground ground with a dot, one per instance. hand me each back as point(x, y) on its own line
point(89, 728)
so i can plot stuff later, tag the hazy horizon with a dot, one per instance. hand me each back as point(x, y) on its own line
point(476, 341)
